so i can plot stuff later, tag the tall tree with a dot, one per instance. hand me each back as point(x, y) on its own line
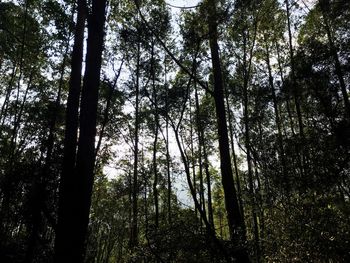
point(74, 217)
point(235, 219)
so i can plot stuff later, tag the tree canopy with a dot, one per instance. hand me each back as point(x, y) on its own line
point(147, 131)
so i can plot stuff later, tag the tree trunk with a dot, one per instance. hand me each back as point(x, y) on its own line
point(235, 220)
point(208, 182)
point(134, 229)
point(155, 142)
point(292, 66)
point(193, 161)
point(70, 246)
point(250, 171)
point(230, 126)
point(200, 155)
point(67, 180)
point(167, 144)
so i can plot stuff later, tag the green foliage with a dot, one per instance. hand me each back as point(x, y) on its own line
point(295, 199)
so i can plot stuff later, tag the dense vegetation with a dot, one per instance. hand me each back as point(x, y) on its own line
point(136, 131)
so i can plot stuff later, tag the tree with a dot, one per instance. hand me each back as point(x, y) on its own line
point(235, 219)
point(70, 243)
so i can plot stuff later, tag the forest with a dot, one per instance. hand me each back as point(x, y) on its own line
point(139, 131)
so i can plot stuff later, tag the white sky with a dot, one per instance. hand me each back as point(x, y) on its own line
point(183, 2)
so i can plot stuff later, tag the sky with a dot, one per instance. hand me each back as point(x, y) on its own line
point(183, 3)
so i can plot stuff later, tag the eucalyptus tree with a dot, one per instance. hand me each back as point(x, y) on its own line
point(73, 216)
point(247, 18)
point(159, 18)
point(132, 37)
point(235, 218)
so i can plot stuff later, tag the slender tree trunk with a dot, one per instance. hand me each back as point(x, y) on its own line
point(193, 161)
point(250, 171)
point(208, 182)
point(167, 144)
point(134, 229)
point(235, 220)
point(261, 214)
point(247, 67)
point(295, 89)
point(155, 142)
point(70, 247)
point(203, 155)
point(200, 155)
point(130, 208)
